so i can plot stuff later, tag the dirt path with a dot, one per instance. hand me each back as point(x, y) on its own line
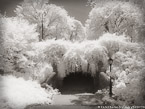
point(64, 107)
point(76, 101)
point(82, 99)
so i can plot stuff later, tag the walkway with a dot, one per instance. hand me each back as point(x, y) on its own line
point(63, 107)
point(76, 101)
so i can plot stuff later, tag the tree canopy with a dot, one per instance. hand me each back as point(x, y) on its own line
point(114, 17)
point(53, 22)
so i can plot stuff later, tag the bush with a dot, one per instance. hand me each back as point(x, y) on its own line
point(17, 93)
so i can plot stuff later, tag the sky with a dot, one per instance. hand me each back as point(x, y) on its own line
point(75, 8)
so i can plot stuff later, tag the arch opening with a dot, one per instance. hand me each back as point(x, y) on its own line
point(75, 83)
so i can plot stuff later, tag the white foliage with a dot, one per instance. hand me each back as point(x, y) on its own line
point(114, 17)
point(41, 13)
point(40, 72)
point(87, 56)
point(52, 21)
point(67, 57)
point(121, 85)
point(16, 30)
point(55, 50)
point(112, 42)
point(81, 56)
point(96, 56)
point(16, 93)
point(77, 30)
point(16, 34)
point(73, 58)
point(33, 65)
point(130, 75)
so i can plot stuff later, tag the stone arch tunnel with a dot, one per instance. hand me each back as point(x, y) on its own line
point(79, 82)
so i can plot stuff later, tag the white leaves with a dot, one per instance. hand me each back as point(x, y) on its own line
point(16, 35)
point(73, 58)
point(112, 42)
point(121, 85)
point(18, 93)
point(96, 54)
point(18, 30)
point(86, 56)
point(46, 16)
point(54, 20)
point(114, 17)
point(55, 50)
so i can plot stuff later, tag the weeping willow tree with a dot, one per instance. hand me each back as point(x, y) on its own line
point(84, 57)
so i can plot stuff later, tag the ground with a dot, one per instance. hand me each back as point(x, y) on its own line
point(82, 101)
point(77, 101)
point(65, 107)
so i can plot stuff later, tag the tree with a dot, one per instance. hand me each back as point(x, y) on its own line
point(114, 17)
point(112, 43)
point(15, 38)
point(95, 2)
point(55, 51)
point(77, 31)
point(51, 20)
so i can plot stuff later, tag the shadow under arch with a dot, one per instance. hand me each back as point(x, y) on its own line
point(77, 83)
